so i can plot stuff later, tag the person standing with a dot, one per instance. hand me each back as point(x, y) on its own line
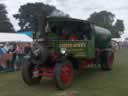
point(1, 55)
point(13, 60)
point(20, 54)
point(27, 49)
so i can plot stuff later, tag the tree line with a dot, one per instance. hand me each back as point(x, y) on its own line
point(5, 24)
point(26, 17)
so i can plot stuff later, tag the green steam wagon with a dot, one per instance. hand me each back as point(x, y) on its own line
point(63, 46)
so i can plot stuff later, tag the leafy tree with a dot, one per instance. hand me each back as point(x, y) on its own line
point(106, 19)
point(5, 25)
point(28, 14)
point(119, 25)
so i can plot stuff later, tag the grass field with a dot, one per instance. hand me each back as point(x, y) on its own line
point(90, 83)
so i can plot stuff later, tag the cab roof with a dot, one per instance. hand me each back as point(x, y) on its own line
point(65, 19)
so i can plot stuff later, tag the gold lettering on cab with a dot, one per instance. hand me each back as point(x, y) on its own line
point(72, 45)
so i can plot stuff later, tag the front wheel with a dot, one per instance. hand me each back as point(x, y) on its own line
point(29, 74)
point(63, 75)
point(107, 60)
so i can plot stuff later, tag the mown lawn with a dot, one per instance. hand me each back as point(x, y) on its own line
point(92, 82)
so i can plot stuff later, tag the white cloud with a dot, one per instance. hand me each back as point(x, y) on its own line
point(77, 8)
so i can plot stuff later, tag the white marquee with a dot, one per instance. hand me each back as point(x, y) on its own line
point(13, 37)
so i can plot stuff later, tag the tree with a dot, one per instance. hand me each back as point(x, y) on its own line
point(119, 25)
point(5, 25)
point(27, 12)
point(106, 19)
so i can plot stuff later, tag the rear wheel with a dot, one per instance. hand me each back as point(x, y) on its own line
point(29, 74)
point(63, 75)
point(107, 60)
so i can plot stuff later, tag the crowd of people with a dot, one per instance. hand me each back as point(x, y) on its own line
point(12, 54)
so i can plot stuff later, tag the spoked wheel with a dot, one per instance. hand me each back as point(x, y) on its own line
point(30, 75)
point(107, 60)
point(63, 75)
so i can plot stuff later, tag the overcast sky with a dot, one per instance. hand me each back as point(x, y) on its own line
point(76, 8)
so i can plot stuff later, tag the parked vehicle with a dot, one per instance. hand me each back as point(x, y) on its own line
point(65, 45)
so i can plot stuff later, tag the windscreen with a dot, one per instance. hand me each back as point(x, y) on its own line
point(65, 29)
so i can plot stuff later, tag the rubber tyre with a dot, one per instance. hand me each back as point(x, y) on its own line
point(26, 73)
point(106, 64)
point(58, 71)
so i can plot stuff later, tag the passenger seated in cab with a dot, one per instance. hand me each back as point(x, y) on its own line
point(69, 34)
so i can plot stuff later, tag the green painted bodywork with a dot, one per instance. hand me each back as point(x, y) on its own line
point(102, 37)
point(76, 48)
point(99, 38)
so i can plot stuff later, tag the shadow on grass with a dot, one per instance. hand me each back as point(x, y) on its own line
point(49, 84)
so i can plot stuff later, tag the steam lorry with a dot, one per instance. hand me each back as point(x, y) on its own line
point(63, 46)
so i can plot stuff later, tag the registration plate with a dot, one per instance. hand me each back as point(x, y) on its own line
point(35, 74)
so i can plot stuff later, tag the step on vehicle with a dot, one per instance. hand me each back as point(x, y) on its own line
point(63, 46)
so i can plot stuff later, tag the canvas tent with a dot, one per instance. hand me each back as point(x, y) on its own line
point(118, 39)
point(28, 33)
point(13, 37)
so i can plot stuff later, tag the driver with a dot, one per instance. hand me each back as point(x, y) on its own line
point(73, 36)
point(69, 34)
point(65, 33)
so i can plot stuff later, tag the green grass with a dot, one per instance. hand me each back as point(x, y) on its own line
point(90, 83)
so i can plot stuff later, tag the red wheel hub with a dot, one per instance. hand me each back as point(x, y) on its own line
point(66, 74)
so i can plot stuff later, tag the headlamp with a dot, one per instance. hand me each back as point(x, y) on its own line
point(63, 50)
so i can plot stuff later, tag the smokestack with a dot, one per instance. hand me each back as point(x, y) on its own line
point(41, 23)
point(38, 24)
